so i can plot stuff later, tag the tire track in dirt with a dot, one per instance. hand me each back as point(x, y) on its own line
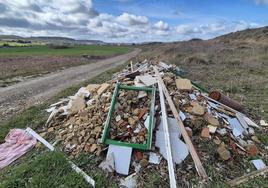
point(15, 98)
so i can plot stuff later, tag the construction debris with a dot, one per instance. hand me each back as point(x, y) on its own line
point(149, 107)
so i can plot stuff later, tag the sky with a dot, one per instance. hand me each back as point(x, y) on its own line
point(131, 21)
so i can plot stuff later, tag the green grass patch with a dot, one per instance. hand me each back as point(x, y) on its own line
point(47, 170)
point(45, 50)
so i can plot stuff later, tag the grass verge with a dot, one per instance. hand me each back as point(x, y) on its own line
point(50, 169)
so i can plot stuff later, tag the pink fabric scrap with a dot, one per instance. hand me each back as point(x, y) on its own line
point(17, 143)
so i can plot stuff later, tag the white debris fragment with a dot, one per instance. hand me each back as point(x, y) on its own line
point(147, 122)
point(192, 96)
point(164, 65)
point(178, 147)
point(82, 92)
point(154, 158)
point(222, 131)
point(250, 122)
point(122, 157)
point(263, 123)
point(258, 163)
point(51, 109)
point(108, 163)
point(129, 182)
point(148, 80)
point(212, 129)
point(182, 116)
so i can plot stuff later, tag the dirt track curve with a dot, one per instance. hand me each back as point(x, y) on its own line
point(24, 94)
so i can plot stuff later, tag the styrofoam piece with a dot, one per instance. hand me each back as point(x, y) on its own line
point(154, 158)
point(258, 163)
point(122, 156)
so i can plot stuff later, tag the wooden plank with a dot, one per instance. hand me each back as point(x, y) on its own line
point(198, 165)
point(246, 177)
point(171, 171)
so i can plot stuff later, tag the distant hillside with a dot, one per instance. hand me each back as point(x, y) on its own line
point(46, 39)
point(236, 62)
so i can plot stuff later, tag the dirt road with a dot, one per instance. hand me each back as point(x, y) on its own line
point(24, 94)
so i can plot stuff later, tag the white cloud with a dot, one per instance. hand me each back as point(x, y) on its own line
point(79, 19)
point(161, 25)
point(261, 2)
point(213, 29)
point(131, 19)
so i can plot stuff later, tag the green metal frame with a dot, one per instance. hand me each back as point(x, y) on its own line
point(106, 140)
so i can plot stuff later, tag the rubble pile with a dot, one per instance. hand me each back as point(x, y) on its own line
point(128, 122)
point(80, 122)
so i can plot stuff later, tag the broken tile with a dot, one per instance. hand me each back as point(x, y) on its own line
point(212, 129)
point(148, 80)
point(77, 104)
point(183, 84)
point(103, 88)
point(122, 157)
point(212, 120)
point(197, 109)
point(252, 150)
point(205, 133)
point(259, 164)
point(92, 87)
point(223, 152)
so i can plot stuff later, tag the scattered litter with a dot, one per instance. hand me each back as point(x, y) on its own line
point(17, 143)
point(122, 157)
point(259, 164)
point(125, 113)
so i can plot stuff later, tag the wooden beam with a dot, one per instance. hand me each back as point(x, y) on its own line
point(171, 172)
point(198, 165)
point(246, 177)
